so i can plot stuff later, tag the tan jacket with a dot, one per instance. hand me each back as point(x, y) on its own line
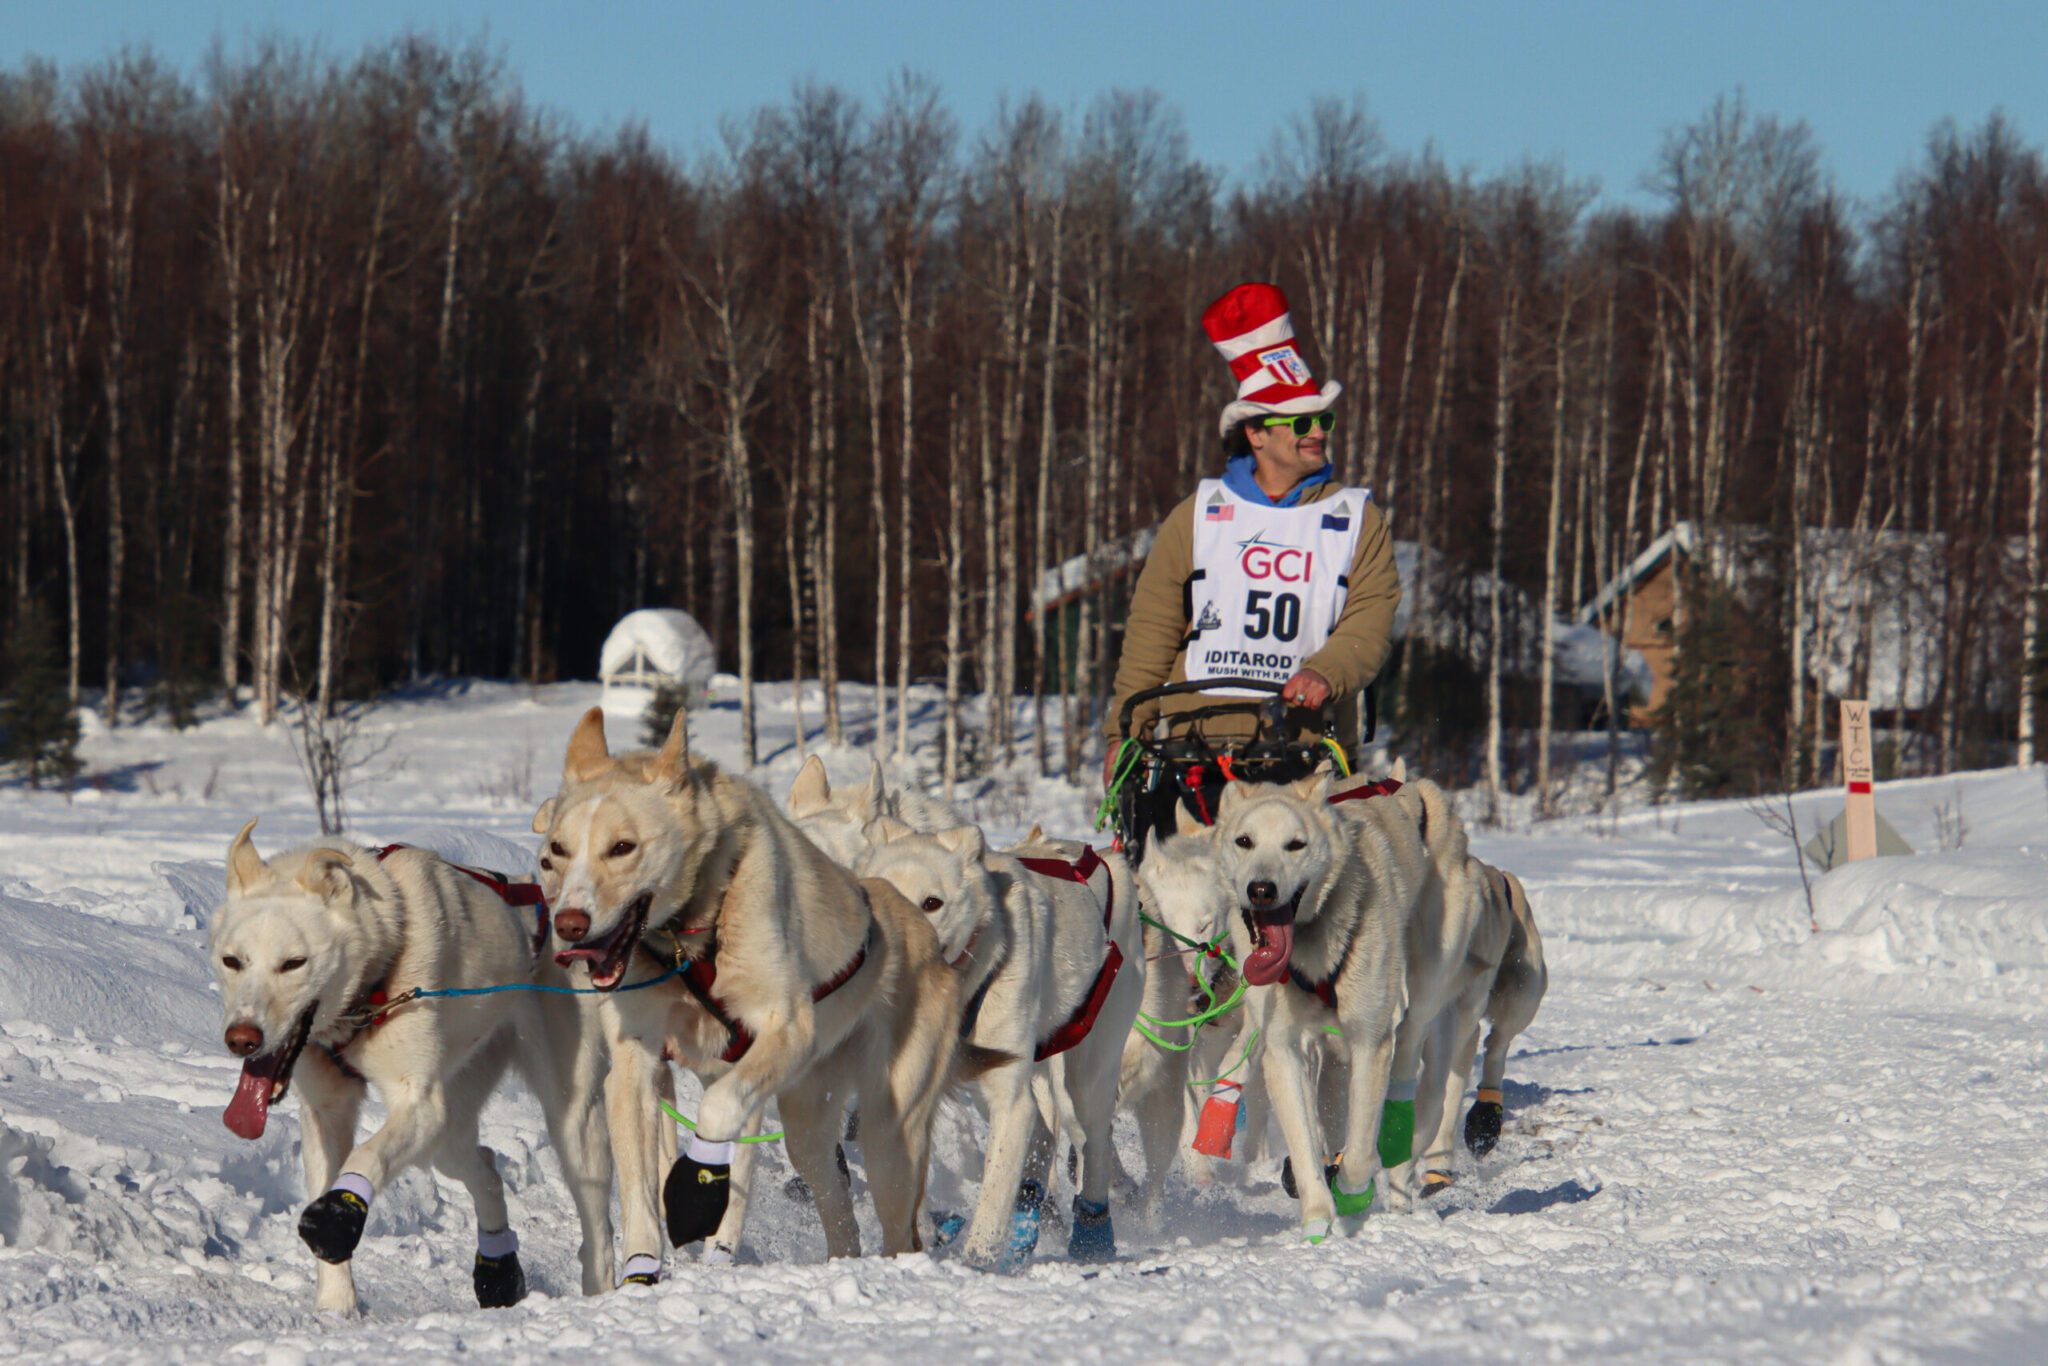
point(1157, 626)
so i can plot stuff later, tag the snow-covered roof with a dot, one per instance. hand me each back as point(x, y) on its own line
point(1082, 573)
point(668, 640)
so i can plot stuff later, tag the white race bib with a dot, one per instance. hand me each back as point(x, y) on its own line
point(1268, 583)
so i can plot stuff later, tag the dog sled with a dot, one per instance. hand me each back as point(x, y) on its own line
point(1169, 762)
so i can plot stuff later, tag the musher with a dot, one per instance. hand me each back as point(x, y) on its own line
point(1273, 572)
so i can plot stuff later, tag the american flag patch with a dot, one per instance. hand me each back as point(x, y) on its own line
point(1219, 512)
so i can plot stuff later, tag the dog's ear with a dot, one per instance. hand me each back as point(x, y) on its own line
point(544, 817)
point(1399, 772)
point(326, 873)
point(1233, 796)
point(812, 790)
point(1316, 786)
point(964, 840)
point(887, 830)
point(1186, 822)
point(246, 867)
point(1036, 834)
point(671, 767)
point(872, 798)
point(587, 755)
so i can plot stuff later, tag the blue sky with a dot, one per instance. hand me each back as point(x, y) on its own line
point(1594, 85)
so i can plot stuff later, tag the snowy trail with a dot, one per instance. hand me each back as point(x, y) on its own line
point(1726, 1138)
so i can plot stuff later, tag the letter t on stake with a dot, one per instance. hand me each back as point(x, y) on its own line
point(1860, 813)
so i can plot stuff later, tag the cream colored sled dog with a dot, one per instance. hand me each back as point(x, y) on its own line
point(823, 987)
point(1051, 970)
point(1510, 1001)
point(314, 952)
point(841, 821)
point(1180, 885)
point(1326, 906)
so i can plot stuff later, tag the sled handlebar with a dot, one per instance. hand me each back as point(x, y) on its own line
point(1272, 711)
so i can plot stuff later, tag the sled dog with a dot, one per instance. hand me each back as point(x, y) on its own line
point(841, 821)
point(820, 988)
point(1181, 886)
point(1051, 972)
point(1325, 909)
point(315, 952)
point(1511, 998)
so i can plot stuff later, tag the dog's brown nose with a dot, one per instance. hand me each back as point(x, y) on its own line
point(1262, 895)
point(572, 925)
point(243, 1039)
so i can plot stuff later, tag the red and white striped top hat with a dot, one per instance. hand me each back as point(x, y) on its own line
point(1252, 329)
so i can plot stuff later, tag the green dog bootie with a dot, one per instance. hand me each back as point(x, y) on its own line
point(1350, 1206)
point(1397, 1132)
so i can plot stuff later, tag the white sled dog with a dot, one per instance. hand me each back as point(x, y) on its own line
point(804, 986)
point(1511, 999)
point(315, 953)
point(1181, 886)
point(1326, 905)
point(1051, 969)
point(841, 821)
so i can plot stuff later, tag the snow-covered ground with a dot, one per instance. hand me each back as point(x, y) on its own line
point(1727, 1137)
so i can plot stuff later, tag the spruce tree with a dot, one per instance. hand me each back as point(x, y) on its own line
point(38, 727)
point(1721, 730)
point(661, 711)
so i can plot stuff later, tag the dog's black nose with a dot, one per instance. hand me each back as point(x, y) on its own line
point(572, 925)
point(1261, 894)
point(243, 1039)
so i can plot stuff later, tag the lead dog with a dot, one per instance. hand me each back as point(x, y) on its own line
point(1326, 906)
point(1051, 967)
point(313, 952)
point(826, 987)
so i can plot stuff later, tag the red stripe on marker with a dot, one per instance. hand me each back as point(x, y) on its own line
point(1859, 789)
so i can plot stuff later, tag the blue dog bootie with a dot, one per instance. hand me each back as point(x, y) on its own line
point(1024, 1225)
point(1093, 1238)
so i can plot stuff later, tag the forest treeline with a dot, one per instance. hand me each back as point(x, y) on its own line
point(321, 375)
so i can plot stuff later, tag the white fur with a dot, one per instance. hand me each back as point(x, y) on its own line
point(1038, 942)
point(712, 852)
point(410, 921)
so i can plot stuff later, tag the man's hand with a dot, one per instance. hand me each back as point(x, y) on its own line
point(1306, 689)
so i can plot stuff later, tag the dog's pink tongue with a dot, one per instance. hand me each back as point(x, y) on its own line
point(1267, 963)
point(249, 1111)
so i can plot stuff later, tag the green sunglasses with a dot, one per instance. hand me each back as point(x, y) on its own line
point(1324, 420)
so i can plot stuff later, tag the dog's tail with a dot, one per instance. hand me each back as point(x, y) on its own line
point(971, 1060)
point(1443, 834)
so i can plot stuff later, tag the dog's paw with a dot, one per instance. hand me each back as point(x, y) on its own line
point(333, 1225)
point(1093, 1238)
point(694, 1199)
point(1287, 1182)
point(500, 1281)
point(641, 1269)
point(947, 1226)
point(1482, 1127)
point(722, 1115)
point(1436, 1183)
point(718, 1254)
point(1315, 1231)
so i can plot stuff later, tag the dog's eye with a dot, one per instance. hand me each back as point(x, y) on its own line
point(1296, 846)
point(231, 964)
point(547, 864)
point(932, 905)
point(1244, 841)
point(621, 849)
point(555, 848)
point(291, 965)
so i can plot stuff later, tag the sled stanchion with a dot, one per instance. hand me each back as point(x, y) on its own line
point(691, 1125)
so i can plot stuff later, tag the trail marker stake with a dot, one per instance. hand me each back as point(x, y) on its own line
point(1861, 807)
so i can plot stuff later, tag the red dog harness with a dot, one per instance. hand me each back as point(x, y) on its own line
point(1083, 1019)
point(700, 976)
point(510, 892)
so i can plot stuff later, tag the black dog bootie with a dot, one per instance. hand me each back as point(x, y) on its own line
point(695, 1194)
point(333, 1225)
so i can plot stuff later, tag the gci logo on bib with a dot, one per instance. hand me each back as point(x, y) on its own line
point(1262, 559)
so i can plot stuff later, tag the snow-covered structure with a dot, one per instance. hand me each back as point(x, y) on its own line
point(652, 647)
